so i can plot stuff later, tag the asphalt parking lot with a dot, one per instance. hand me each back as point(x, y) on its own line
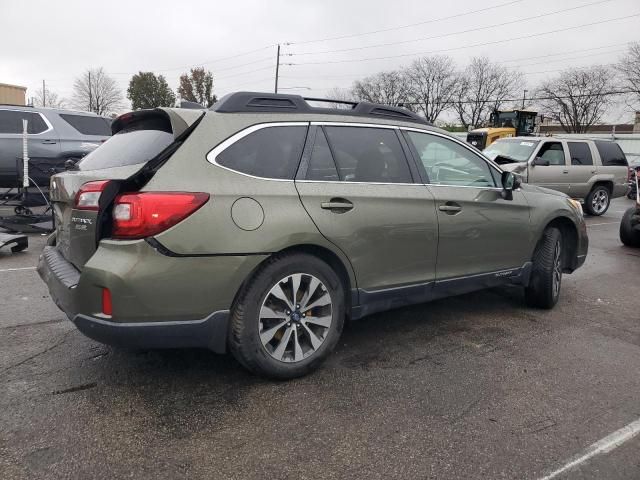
point(476, 386)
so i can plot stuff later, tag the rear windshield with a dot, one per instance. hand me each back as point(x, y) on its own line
point(88, 125)
point(611, 154)
point(516, 149)
point(128, 147)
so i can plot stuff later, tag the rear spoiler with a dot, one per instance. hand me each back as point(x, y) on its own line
point(169, 120)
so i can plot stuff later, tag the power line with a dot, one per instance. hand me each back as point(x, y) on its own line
point(371, 32)
point(246, 73)
point(387, 57)
point(475, 29)
point(567, 52)
point(358, 75)
point(199, 64)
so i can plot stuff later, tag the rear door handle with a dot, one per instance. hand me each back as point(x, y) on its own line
point(49, 142)
point(450, 208)
point(565, 171)
point(337, 205)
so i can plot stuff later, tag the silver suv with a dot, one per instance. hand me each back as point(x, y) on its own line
point(54, 136)
point(593, 171)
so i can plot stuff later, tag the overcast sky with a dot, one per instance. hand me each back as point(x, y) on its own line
point(56, 41)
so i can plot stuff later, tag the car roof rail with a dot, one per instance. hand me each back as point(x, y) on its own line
point(252, 102)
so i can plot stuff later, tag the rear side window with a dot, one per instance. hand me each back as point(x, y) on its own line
point(11, 122)
point(271, 152)
point(580, 153)
point(88, 125)
point(611, 154)
point(127, 147)
point(364, 154)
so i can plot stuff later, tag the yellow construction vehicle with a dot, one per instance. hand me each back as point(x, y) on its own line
point(511, 123)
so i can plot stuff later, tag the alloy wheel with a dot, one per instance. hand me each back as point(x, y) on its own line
point(557, 269)
point(295, 317)
point(600, 201)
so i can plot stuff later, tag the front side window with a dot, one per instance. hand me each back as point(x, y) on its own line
point(448, 163)
point(580, 153)
point(553, 153)
point(11, 122)
point(271, 152)
point(367, 154)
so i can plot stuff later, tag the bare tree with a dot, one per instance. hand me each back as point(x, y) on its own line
point(484, 86)
point(629, 68)
point(433, 85)
point(577, 98)
point(47, 98)
point(389, 88)
point(96, 92)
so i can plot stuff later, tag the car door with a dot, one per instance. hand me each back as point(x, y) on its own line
point(42, 142)
point(480, 232)
point(582, 169)
point(358, 188)
point(549, 167)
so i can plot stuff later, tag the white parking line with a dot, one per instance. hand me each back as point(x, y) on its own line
point(16, 269)
point(605, 445)
point(598, 224)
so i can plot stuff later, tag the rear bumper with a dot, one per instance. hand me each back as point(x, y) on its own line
point(210, 332)
point(158, 301)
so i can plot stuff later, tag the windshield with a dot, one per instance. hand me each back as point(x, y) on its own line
point(515, 148)
point(127, 148)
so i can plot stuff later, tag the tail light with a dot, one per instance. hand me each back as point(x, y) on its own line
point(143, 214)
point(88, 197)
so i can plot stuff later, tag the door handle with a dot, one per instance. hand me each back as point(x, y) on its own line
point(450, 208)
point(337, 205)
point(49, 142)
point(565, 171)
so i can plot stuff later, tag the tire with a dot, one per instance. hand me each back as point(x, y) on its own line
point(631, 195)
point(543, 290)
point(628, 235)
point(598, 200)
point(262, 320)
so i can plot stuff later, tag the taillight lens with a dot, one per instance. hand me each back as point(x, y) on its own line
point(88, 197)
point(107, 308)
point(140, 215)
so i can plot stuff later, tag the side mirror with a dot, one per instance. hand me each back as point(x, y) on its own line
point(540, 161)
point(510, 182)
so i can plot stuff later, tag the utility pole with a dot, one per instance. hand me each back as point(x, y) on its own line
point(277, 67)
point(44, 94)
point(90, 99)
point(524, 97)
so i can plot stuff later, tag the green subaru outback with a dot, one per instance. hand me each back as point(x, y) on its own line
point(261, 225)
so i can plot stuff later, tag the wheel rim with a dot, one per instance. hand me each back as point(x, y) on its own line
point(557, 268)
point(600, 201)
point(295, 317)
